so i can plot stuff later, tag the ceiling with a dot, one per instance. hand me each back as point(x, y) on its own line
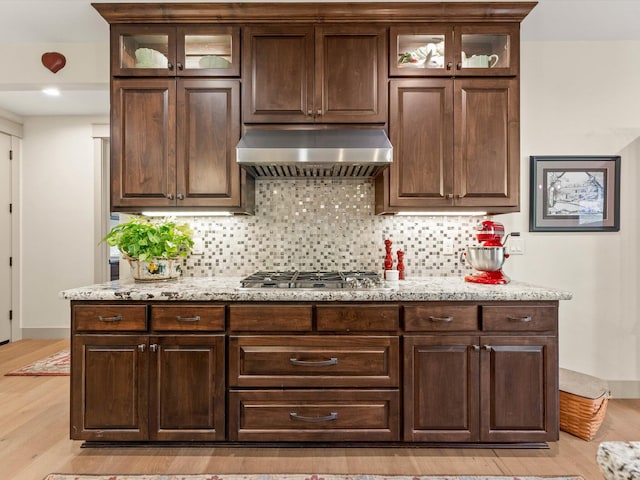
point(76, 21)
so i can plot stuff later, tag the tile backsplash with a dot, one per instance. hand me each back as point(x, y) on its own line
point(324, 224)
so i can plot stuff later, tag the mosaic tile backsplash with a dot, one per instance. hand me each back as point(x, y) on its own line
point(324, 224)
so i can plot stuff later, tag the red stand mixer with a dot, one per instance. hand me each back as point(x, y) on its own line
point(489, 257)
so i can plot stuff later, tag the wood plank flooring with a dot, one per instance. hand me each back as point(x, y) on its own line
point(34, 441)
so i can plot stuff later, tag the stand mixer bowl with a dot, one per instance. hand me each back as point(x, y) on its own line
point(486, 259)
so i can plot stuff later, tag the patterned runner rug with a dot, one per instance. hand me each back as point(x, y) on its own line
point(57, 364)
point(57, 476)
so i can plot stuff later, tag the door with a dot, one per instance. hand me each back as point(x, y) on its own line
point(208, 131)
point(278, 74)
point(441, 389)
point(109, 391)
point(421, 131)
point(519, 389)
point(486, 142)
point(351, 73)
point(143, 143)
point(5, 238)
point(186, 398)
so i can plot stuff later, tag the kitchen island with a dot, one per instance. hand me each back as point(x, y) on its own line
point(431, 360)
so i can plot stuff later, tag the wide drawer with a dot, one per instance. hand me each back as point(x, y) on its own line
point(310, 361)
point(354, 318)
point(273, 318)
point(208, 318)
point(531, 318)
point(444, 317)
point(314, 415)
point(132, 318)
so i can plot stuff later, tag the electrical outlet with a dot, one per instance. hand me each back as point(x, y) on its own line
point(447, 246)
point(198, 247)
point(516, 246)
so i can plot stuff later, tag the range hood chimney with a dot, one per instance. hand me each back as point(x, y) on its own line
point(349, 153)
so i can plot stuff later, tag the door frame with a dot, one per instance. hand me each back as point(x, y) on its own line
point(14, 129)
point(101, 162)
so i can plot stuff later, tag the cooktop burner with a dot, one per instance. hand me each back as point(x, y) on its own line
point(312, 280)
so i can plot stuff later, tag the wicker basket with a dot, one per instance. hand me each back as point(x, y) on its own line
point(583, 403)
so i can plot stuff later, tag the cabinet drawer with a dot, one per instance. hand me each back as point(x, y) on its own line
point(330, 361)
point(273, 318)
point(533, 318)
point(441, 318)
point(357, 318)
point(314, 415)
point(187, 317)
point(110, 317)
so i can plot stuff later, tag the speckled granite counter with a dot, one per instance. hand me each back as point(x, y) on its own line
point(227, 289)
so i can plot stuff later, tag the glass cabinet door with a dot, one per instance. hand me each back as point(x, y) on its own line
point(210, 51)
point(143, 50)
point(487, 50)
point(421, 51)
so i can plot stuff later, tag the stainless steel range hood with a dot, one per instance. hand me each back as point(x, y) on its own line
point(314, 153)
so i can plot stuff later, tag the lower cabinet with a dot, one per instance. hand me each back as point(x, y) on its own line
point(465, 388)
point(140, 387)
point(450, 372)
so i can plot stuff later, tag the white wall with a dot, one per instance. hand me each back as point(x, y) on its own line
point(581, 98)
point(57, 217)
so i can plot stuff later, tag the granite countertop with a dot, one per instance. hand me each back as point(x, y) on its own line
point(227, 289)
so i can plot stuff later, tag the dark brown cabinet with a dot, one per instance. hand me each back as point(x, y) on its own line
point(137, 387)
point(307, 74)
point(434, 50)
point(427, 371)
point(483, 388)
point(456, 144)
point(173, 145)
point(169, 50)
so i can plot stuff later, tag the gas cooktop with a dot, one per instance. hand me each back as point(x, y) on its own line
point(312, 280)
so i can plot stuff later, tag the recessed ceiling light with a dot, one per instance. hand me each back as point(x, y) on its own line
point(51, 91)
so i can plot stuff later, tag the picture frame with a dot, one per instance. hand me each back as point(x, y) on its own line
point(574, 194)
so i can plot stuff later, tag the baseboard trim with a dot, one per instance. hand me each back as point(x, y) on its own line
point(46, 333)
point(625, 388)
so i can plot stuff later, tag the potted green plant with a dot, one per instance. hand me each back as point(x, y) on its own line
point(153, 248)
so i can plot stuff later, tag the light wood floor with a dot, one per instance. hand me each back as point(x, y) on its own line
point(34, 441)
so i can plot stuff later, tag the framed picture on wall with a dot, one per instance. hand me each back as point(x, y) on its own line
point(574, 194)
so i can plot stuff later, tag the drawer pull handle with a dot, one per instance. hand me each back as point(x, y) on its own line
point(117, 318)
point(441, 319)
point(528, 318)
point(321, 363)
point(326, 418)
point(188, 319)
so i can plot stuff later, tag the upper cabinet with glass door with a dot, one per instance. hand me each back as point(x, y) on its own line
point(166, 50)
point(454, 50)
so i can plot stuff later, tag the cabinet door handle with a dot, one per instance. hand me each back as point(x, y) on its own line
point(319, 112)
point(180, 196)
point(141, 347)
point(459, 66)
point(117, 318)
point(488, 348)
point(441, 319)
point(170, 66)
point(326, 418)
point(188, 319)
point(170, 196)
point(528, 318)
point(449, 65)
point(309, 113)
point(449, 196)
point(180, 66)
point(321, 363)
point(153, 347)
point(476, 348)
